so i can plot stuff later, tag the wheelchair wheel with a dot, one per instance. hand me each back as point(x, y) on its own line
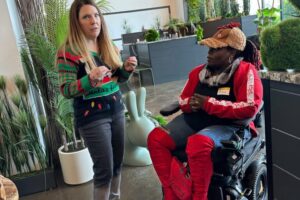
point(256, 180)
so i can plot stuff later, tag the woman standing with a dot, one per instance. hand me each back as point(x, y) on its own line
point(89, 69)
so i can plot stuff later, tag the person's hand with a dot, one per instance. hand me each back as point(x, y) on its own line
point(99, 73)
point(130, 64)
point(197, 101)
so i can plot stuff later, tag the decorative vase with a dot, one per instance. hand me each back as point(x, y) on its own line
point(77, 166)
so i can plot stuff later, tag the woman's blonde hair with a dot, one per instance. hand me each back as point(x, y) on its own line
point(76, 39)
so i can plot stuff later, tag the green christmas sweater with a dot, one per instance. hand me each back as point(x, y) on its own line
point(90, 103)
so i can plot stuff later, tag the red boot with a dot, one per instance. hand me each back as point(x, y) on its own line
point(160, 145)
point(199, 148)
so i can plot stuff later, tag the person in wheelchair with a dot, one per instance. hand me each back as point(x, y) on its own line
point(216, 98)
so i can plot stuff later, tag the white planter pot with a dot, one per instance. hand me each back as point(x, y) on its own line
point(77, 167)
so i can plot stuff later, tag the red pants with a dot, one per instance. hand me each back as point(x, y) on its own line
point(198, 150)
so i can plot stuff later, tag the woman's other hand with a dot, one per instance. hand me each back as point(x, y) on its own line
point(130, 64)
point(197, 101)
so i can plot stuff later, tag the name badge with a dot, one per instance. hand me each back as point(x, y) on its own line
point(224, 91)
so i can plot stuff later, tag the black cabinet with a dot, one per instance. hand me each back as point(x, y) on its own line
point(283, 139)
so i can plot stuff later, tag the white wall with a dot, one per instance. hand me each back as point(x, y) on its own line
point(137, 20)
point(10, 62)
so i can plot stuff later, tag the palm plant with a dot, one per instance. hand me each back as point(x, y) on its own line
point(104, 5)
point(65, 119)
point(45, 24)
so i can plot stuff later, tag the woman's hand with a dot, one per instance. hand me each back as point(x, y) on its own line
point(99, 73)
point(197, 101)
point(130, 64)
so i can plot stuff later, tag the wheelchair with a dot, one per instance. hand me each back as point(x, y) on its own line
point(240, 171)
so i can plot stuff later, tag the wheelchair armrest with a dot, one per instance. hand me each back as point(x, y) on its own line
point(170, 109)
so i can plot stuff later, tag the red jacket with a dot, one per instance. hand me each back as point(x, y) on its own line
point(248, 92)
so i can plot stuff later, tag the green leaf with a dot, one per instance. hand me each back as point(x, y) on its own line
point(104, 5)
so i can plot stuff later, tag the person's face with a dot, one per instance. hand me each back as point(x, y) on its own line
point(90, 22)
point(218, 58)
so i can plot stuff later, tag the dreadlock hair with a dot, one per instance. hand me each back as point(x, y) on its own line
point(255, 40)
point(250, 54)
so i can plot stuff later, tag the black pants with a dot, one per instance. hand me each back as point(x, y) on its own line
point(105, 141)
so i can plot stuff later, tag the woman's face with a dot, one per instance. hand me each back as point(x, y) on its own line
point(219, 58)
point(90, 22)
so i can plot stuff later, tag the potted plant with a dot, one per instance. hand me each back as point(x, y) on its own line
point(280, 45)
point(173, 26)
point(151, 35)
point(73, 152)
point(22, 156)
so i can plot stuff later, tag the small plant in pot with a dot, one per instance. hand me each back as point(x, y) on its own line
point(183, 29)
point(151, 35)
point(173, 26)
point(73, 151)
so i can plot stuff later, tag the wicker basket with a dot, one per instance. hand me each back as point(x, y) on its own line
point(8, 190)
